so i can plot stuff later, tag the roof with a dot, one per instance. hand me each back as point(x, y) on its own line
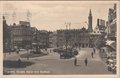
point(24, 23)
point(74, 30)
point(95, 33)
point(43, 31)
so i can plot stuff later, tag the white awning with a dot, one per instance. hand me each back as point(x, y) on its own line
point(110, 60)
point(34, 43)
point(109, 42)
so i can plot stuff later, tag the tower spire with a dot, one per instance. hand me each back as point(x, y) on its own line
point(90, 22)
point(4, 20)
point(90, 14)
point(3, 17)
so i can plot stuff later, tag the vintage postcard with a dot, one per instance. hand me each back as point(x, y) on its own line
point(60, 39)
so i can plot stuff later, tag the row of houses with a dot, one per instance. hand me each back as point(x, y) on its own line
point(84, 37)
point(22, 36)
point(111, 23)
point(74, 37)
point(109, 51)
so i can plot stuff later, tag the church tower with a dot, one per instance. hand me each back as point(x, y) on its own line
point(90, 22)
point(4, 21)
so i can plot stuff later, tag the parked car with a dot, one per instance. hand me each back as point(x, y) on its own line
point(58, 50)
point(55, 49)
point(69, 53)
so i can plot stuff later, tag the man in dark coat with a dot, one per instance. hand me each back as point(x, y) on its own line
point(92, 54)
point(19, 62)
point(86, 61)
point(75, 61)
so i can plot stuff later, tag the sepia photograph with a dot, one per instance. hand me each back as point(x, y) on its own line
point(60, 37)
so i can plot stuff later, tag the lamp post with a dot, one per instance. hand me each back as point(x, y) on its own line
point(67, 36)
point(66, 39)
point(27, 53)
point(36, 41)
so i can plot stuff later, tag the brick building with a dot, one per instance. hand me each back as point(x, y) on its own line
point(21, 35)
point(42, 38)
point(6, 36)
point(101, 25)
point(53, 39)
point(76, 37)
point(111, 23)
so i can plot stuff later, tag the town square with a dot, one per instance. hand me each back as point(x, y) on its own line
point(59, 38)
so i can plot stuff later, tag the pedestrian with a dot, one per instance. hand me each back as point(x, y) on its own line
point(93, 49)
point(9, 52)
point(86, 61)
point(45, 49)
point(75, 61)
point(107, 62)
point(27, 53)
point(50, 50)
point(19, 62)
point(28, 57)
point(92, 54)
point(79, 47)
point(17, 51)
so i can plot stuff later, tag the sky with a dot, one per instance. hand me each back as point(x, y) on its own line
point(52, 15)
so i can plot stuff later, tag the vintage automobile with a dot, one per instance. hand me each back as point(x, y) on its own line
point(55, 49)
point(69, 53)
point(58, 50)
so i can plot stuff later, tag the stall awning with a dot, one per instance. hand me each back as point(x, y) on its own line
point(34, 43)
point(110, 60)
point(112, 44)
point(109, 42)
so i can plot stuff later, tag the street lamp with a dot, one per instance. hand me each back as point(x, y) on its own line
point(36, 41)
point(66, 36)
point(27, 53)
